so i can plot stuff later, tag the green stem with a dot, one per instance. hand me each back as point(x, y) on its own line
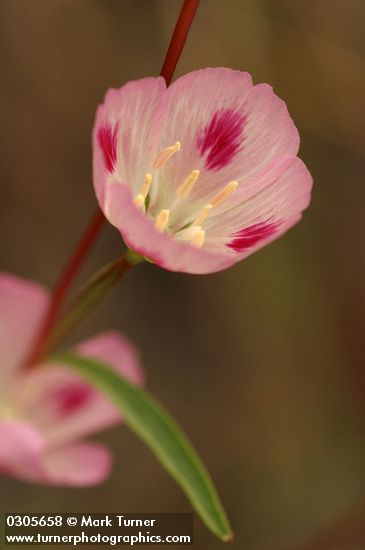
point(63, 286)
point(90, 296)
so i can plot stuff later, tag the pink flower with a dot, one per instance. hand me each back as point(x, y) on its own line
point(199, 175)
point(46, 412)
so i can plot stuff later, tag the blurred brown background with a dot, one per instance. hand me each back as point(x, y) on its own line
point(264, 364)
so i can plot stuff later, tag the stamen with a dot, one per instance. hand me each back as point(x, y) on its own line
point(162, 220)
point(165, 154)
point(198, 239)
point(224, 194)
point(203, 215)
point(139, 200)
point(146, 185)
point(184, 189)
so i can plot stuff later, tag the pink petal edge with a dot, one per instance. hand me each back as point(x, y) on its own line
point(139, 233)
point(64, 405)
point(23, 304)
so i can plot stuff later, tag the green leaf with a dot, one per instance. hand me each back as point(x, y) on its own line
point(152, 423)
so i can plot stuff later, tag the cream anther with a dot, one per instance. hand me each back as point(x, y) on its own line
point(224, 194)
point(203, 215)
point(146, 185)
point(139, 200)
point(184, 189)
point(162, 220)
point(165, 154)
point(198, 239)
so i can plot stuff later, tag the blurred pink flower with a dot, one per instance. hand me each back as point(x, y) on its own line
point(46, 412)
point(199, 175)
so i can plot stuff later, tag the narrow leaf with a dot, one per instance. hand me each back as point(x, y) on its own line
point(152, 423)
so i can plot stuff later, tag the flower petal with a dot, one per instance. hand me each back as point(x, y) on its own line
point(24, 454)
point(65, 407)
point(79, 464)
point(228, 129)
point(264, 217)
point(23, 306)
point(139, 233)
point(21, 446)
point(114, 348)
point(121, 135)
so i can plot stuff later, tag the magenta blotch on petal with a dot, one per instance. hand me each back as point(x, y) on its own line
point(107, 138)
point(46, 412)
point(71, 397)
point(249, 236)
point(221, 139)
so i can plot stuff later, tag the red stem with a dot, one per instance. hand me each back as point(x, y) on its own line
point(178, 38)
point(87, 240)
point(64, 283)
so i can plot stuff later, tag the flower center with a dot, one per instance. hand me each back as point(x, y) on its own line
point(194, 231)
